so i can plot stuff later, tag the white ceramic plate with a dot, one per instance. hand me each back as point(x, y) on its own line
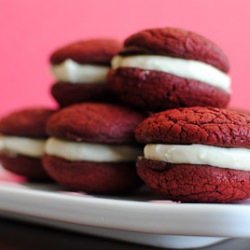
point(140, 218)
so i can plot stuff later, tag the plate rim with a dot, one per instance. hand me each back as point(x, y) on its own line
point(220, 220)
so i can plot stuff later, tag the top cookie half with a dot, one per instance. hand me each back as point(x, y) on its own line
point(176, 42)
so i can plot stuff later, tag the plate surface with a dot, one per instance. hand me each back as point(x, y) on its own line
point(140, 218)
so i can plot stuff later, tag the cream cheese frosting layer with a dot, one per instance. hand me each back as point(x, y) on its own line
point(81, 151)
point(233, 158)
point(185, 68)
point(73, 72)
point(22, 145)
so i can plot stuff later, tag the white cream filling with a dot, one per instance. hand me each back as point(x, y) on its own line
point(233, 158)
point(81, 151)
point(73, 72)
point(22, 145)
point(185, 68)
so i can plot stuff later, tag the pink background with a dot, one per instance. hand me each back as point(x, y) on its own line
point(31, 29)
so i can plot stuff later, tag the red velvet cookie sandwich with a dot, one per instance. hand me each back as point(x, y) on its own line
point(167, 68)
point(81, 70)
point(196, 154)
point(92, 148)
point(22, 141)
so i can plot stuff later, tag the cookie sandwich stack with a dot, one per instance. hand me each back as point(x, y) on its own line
point(195, 150)
point(91, 145)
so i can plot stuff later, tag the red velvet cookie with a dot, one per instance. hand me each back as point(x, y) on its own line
point(67, 94)
point(22, 140)
point(196, 154)
point(81, 69)
point(92, 148)
point(166, 68)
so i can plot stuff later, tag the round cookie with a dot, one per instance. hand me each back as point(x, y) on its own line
point(167, 68)
point(196, 154)
point(22, 140)
point(92, 148)
point(80, 69)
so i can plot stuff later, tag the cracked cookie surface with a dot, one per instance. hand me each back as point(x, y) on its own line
point(199, 125)
point(195, 182)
